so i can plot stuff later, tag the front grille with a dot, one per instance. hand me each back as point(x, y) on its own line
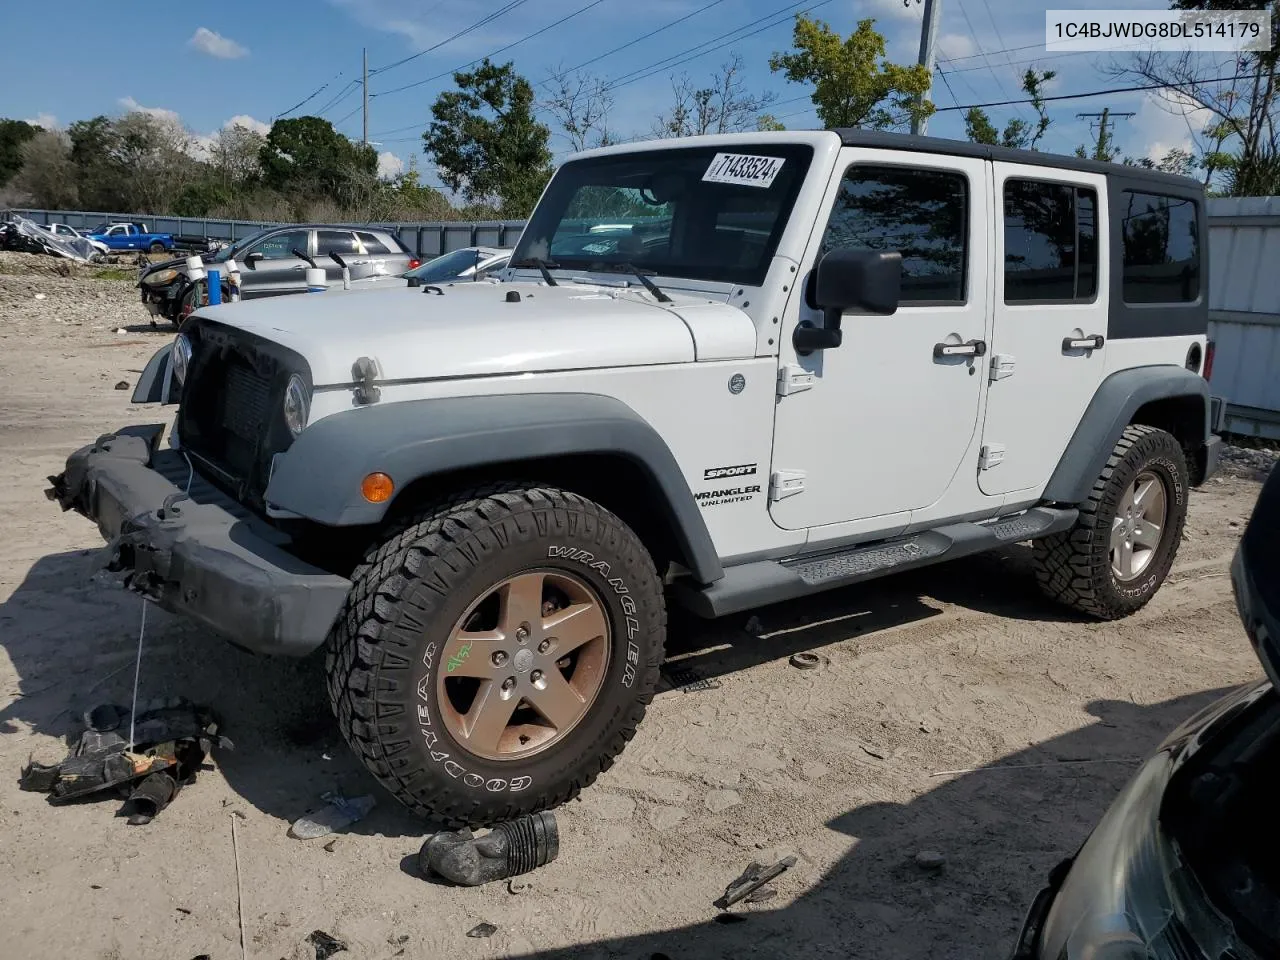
point(231, 420)
point(245, 404)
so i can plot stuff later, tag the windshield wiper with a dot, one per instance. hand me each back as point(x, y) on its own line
point(544, 267)
point(641, 275)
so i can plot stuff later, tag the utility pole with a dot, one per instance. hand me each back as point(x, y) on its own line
point(365, 138)
point(928, 36)
point(1102, 149)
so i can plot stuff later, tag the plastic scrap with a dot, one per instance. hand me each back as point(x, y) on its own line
point(171, 739)
point(326, 945)
point(753, 878)
point(508, 850)
point(338, 813)
point(481, 930)
point(23, 234)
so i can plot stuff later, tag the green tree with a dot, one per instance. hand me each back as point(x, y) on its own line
point(306, 156)
point(853, 84)
point(1033, 83)
point(486, 141)
point(979, 128)
point(13, 134)
point(48, 174)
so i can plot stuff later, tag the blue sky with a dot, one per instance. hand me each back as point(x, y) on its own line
point(210, 63)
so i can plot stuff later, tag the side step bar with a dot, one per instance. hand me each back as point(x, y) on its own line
point(763, 582)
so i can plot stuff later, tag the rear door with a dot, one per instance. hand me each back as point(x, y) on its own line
point(279, 271)
point(1048, 342)
point(341, 242)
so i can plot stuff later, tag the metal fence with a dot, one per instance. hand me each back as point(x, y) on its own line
point(1244, 311)
point(426, 238)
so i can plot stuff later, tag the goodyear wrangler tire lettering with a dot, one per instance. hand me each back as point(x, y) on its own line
point(398, 683)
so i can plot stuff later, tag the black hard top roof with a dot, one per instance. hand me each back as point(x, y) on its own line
point(852, 137)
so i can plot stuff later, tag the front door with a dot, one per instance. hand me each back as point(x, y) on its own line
point(884, 422)
point(1049, 340)
point(341, 242)
point(279, 271)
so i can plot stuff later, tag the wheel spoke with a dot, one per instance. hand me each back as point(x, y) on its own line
point(1143, 491)
point(470, 654)
point(488, 718)
point(575, 625)
point(1146, 534)
point(1125, 556)
point(1117, 533)
point(1126, 501)
point(521, 602)
point(558, 702)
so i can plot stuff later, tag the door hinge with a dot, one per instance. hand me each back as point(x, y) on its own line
point(992, 454)
point(785, 483)
point(793, 378)
point(1001, 366)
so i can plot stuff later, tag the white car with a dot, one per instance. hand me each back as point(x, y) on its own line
point(71, 233)
point(468, 263)
point(812, 358)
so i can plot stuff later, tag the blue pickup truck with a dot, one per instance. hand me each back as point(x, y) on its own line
point(132, 236)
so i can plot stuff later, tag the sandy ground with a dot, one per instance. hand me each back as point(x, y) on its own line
point(954, 711)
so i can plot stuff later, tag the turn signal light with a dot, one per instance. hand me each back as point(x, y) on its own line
point(377, 488)
point(414, 263)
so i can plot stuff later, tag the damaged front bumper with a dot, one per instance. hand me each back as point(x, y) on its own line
point(199, 554)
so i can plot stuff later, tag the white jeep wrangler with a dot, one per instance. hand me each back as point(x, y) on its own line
point(720, 372)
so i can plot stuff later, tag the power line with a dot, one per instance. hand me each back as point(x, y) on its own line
point(337, 98)
point(632, 43)
point(488, 18)
point(314, 93)
point(1021, 63)
point(1094, 93)
point(694, 52)
point(514, 43)
point(975, 56)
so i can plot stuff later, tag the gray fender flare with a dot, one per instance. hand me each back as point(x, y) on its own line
point(1114, 403)
point(319, 476)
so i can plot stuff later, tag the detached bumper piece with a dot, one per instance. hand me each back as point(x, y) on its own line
point(194, 551)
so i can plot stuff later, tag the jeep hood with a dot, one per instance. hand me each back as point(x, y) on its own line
point(472, 329)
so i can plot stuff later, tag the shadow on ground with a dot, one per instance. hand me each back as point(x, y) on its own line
point(72, 642)
point(1001, 825)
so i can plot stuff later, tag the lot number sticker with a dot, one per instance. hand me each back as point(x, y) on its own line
point(743, 169)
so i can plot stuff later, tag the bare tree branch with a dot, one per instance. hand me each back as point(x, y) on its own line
point(723, 106)
point(580, 103)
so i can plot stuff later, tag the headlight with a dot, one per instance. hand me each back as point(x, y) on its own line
point(297, 405)
point(160, 277)
point(1117, 902)
point(180, 357)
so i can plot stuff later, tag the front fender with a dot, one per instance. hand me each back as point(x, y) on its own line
point(319, 476)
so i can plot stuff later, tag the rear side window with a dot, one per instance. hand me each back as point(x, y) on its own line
point(371, 244)
point(1050, 242)
point(1161, 237)
point(334, 241)
point(924, 214)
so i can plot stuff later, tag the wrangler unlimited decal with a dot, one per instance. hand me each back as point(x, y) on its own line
point(714, 498)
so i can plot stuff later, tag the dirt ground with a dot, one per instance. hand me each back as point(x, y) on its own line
point(953, 711)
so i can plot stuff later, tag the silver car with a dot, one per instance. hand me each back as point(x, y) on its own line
point(469, 263)
point(270, 266)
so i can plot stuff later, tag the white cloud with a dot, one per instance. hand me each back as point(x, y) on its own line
point(46, 120)
point(133, 106)
point(216, 45)
point(957, 46)
point(389, 165)
point(1162, 124)
point(249, 123)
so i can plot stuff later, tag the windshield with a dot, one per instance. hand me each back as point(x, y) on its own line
point(226, 253)
point(701, 213)
point(450, 266)
point(101, 228)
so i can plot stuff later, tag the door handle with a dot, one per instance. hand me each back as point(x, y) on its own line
point(1094, 342)
point(970, 348)
point(298, 269)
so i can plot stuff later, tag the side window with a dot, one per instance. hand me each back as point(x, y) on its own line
point(922, 213)
point(280, 246)
point(1161, 237)
point(369, 244)
point(340, 242)
point(1050, 242)
point(117, 231)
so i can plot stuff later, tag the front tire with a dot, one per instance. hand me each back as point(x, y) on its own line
point(497, 652)
point(1115, 558)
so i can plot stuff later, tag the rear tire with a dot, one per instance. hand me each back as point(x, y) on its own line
point(412, 695)
point(1115, 558)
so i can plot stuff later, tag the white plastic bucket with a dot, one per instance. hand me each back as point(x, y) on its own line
point(315, 280)
point(195, 269)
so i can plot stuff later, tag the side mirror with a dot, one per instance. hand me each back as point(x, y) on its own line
point(251, 260)
point(846, 279)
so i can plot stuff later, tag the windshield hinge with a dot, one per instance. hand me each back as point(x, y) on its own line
point(785, 483)
point(793, 378)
